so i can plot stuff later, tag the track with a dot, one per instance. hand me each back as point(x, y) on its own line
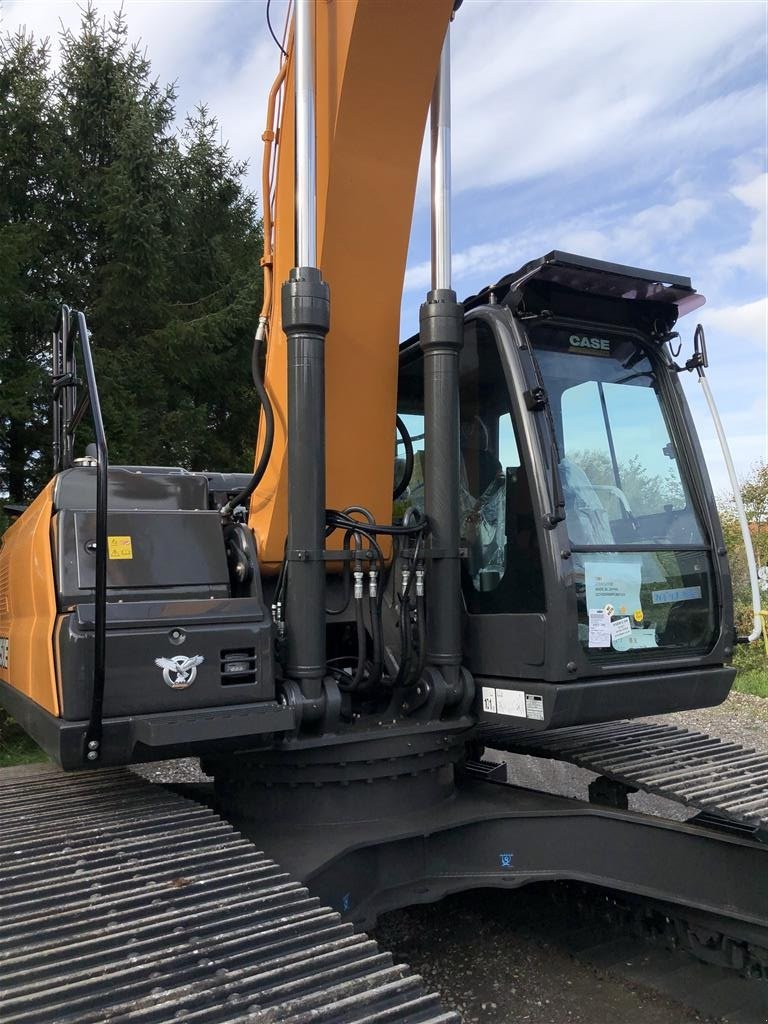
point(123, 902)
point(691, 768)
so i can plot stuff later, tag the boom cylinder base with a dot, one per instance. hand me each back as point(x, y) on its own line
point(306, 320)
point(441, 332)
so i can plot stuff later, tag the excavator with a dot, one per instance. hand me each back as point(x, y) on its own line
point(499, 535)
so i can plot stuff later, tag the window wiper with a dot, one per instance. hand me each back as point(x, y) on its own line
point(557, 515)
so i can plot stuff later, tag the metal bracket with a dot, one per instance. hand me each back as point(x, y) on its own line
point(303, 555)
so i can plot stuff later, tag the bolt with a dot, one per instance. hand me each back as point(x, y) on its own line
point(93, 744)
point(92, 755)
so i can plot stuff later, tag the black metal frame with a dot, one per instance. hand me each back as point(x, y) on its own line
point(68, 412)
point(491, 834)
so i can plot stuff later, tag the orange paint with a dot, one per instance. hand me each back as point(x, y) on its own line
point(28, 603)
point(376, 62)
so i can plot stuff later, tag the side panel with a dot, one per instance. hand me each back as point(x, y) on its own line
point(28, 604)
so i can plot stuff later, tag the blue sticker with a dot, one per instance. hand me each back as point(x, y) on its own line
point(346, 901)
point(506, 860)
point(678, 594)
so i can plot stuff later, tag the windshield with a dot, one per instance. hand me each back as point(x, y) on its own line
point(625, 491)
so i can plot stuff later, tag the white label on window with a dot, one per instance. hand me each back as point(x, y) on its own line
point(637, 640)
point(620, 629)
point(599, 628)
point(534, 706)
point(510, 702)
point(613, 583)
point(489, 699)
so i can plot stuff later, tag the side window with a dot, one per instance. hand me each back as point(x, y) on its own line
point(502, 567)
point(414, 494)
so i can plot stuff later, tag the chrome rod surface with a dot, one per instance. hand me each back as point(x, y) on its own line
point(306, 189)
point(440, 113)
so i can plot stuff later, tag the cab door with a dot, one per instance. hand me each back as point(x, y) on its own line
point(502, 493)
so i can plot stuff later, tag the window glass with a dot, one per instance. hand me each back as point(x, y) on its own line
point(502, 565)
point(619, 471)
point(414, 493)
point(624, 489)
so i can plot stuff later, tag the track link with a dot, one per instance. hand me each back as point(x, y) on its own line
point(121, 901)
point(691, 768)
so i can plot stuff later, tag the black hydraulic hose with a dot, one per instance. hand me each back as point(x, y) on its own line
point(406, 640)
point(421, 635)
point(377, 637)
point(408, 469)
point(343, 522)
point(269, 436)
point(346, 581)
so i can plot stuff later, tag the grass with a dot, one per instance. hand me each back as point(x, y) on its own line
point(15, 746)
point(752, 664)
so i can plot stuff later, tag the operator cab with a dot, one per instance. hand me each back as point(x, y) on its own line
point(594, 573)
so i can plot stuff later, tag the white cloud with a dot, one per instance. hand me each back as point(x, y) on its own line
point(752, 256)
point(747, 322)
point(595, 85)
point(602, 234)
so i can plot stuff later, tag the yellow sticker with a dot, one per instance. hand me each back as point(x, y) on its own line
point(119, 547)
point(638, 616)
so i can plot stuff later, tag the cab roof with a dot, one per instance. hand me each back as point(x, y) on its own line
point(594, 277)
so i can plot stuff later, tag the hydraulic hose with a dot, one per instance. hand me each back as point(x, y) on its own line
point(408, 468)
point(269, 436)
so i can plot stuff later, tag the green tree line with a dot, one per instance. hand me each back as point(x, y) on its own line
point(151, 230)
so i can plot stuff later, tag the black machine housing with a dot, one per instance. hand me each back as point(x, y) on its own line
point(181, 584)
point(520, 635)
point(194, 660)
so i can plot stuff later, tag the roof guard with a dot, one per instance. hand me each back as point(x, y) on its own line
point(597, 277)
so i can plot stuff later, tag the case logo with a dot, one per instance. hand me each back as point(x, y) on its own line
point(594, 344)
point(179, 672)
point(5, 650)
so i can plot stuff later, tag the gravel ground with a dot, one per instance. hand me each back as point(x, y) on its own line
point(485, 953)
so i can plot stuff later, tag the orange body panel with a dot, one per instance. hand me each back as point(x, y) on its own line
point(28, 603)
point(376, 62)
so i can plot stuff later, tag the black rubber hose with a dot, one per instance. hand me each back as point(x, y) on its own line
point(361, 647)
point(346, 576)
point(408, 469)
point(343, 522)
point(376, 634)
point(269, 436)
point(421, 633)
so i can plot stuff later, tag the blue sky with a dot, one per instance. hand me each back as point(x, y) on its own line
point(634, 132)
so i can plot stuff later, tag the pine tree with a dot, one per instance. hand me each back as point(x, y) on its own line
point(30, 134)
point(214, 302)
point(153, 233)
